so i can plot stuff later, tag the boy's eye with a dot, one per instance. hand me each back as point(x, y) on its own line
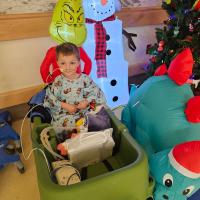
point(62, 63)
point(73, 63)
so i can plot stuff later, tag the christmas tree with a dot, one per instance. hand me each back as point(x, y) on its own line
point(181, 30)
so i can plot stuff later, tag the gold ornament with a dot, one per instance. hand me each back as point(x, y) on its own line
point(196, 5)
point(168, 1)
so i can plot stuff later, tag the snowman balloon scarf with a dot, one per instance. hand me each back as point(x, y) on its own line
point(105, 48)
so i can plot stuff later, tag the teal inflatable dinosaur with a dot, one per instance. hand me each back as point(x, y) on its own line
point(156, 117)
point(177, 171)
point(155, 114)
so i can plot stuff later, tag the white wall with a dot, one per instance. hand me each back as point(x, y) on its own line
point(145, 35)
point(20, 62)
point(20, 59)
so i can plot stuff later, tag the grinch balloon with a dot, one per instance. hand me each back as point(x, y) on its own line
point(105, 48)
point(68, 23)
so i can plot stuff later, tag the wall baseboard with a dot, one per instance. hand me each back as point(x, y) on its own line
point(17, 97)
point(17, 112)
point(21, 96)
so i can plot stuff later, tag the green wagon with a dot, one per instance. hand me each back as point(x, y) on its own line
point(129, 179)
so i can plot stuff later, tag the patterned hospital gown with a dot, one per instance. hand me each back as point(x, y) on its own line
point(72, 92)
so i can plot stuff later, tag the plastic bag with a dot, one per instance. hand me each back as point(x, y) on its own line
point(90, 148)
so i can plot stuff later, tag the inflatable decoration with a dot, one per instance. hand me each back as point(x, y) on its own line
point(180, 69)
point(105, 48)
point(68, 22)
point(161, 70)
point(177, 171)
point(50, 59)
point(155, 112)
point(68, 25)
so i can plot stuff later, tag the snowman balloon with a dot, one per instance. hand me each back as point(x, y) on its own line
point(104, 46)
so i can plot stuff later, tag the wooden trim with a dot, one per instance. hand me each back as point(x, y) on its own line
point(16, 97)
point(142, 16)
point(21, 96)
point(18, 112)
point(21, 26)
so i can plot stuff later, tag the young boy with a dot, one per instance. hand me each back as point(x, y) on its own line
point(71, 93)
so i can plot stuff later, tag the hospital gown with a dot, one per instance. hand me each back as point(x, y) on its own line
point(72, 92)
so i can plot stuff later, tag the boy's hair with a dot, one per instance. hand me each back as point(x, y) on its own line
point(67, 48)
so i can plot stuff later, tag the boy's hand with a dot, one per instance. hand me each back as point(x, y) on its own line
point(69, 107)
point(82, 104)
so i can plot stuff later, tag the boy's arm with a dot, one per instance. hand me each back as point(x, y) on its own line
point(53, 96)
point(93, 92)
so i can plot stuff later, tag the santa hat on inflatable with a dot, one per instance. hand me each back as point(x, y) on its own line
point(180, 68)
point(162, 70)
point(185, 159)
point(179, 71)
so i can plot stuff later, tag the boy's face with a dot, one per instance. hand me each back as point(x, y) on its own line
point(68, 64)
